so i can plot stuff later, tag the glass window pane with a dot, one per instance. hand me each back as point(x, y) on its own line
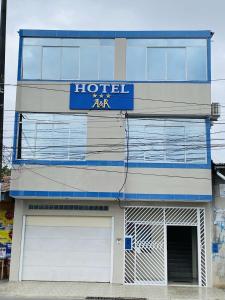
point(54, 136)
point(51, 63)
point(167, 140)
point(196, 149)
point(107, 42)
point(27, 139)
point(176, 64)
point(60, 140)
point(70, 63)
point(44, 148)
point(42, 41)
point(197, 63)
point(78, 133)
point(175, 144)
point(186, 42)
point(154, 143)
point(106, 71)
point(136, 136)
point(31, 62)
point(147, 42)
point(89, 57)
point(136, 63)
point(89, 42)
point(156, 63)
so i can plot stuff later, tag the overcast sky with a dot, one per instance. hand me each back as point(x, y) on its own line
point(119, 15)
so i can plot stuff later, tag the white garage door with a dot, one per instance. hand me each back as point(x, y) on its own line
point(67, 249)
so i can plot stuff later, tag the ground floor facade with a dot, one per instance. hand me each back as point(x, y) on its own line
point(156, 243)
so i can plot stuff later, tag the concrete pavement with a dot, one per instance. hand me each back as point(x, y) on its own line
point(74, 290)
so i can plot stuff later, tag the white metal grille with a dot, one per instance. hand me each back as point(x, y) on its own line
point(202, 256)
point(146, 262)
point(181, 216)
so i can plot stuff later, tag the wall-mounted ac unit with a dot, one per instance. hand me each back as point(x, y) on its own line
point(215, 111)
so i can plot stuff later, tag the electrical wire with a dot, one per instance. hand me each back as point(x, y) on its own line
point(33, 86)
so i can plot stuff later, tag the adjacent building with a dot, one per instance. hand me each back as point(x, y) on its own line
point(218, 246)
point(112, 164)
point(6, 227)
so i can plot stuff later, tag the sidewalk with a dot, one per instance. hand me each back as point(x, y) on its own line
point(81, 290)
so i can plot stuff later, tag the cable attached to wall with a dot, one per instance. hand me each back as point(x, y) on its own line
point(127, 160)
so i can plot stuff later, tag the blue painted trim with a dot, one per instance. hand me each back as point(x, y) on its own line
point(208, 141)
point(20, 59)
point(168, 165)
point(115, 34)
point(124, 196)
point(111, 163)
point(118, 81)
point(209, 59)
point(166, 197)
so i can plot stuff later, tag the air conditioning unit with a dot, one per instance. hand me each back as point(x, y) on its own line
point(215, 111)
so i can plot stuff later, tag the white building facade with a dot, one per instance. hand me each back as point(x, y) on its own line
point(112, 164)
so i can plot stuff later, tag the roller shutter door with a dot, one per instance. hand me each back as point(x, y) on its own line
point(67, 249)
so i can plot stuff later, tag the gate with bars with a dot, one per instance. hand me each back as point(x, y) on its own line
point(146, 261)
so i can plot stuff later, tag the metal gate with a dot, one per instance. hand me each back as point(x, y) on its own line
point(146, 261)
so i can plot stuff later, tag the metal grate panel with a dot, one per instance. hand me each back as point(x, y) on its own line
point(202, 265)
point(181, 216)
point(146, 262)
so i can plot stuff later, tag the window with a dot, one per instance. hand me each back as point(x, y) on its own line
point(52, 136)
point(167, 140)
point(66, 59)
point(166, 60)
point(32, 62)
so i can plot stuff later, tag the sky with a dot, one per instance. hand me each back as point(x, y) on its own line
point(119, 15)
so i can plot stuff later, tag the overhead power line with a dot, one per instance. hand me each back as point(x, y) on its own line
point(34, 86)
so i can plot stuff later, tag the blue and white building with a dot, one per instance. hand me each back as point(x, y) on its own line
point(111, 163)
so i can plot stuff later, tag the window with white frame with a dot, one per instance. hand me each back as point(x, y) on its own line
point(67, 59)
point(164, 140)
point(52, 136)
point(166, 59)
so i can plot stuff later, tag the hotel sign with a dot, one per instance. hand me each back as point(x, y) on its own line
point(101, 96)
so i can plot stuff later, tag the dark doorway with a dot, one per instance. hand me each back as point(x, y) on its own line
point(182, 254)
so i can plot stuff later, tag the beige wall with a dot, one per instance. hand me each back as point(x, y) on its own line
point(110, 179)
point(150, 98)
